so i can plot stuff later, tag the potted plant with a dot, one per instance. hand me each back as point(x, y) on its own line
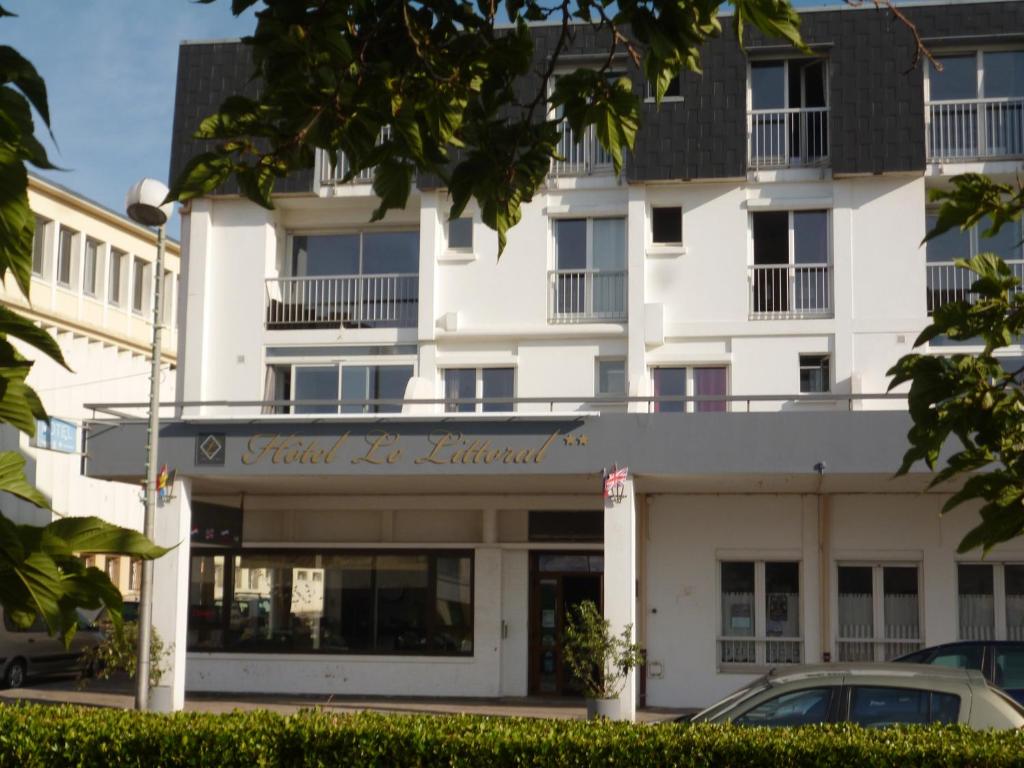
point(599, 659)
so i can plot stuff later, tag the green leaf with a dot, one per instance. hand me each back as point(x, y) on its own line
point(92, 535)
point(13, 324)
point(12, 480)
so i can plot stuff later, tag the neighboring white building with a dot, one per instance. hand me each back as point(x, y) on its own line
point(91, 289)
point(720, 320)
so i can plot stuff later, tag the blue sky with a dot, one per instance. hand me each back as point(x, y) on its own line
point(110, 67)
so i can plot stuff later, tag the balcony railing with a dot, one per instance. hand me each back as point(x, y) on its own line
point(349, 301)
point(948, 283)
point(975, 129)
point(583, 158)
point(760, 650)
point(586, 295)
point(336, 166)
point(780, 291)
point(784, 138)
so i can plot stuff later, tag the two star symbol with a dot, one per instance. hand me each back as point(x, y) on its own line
point(573, 440)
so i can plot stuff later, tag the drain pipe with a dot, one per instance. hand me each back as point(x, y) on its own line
point(824, 566)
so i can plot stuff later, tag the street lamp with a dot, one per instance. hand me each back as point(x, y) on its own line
point(145, 205)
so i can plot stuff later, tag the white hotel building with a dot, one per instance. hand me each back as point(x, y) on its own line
point(389, 443)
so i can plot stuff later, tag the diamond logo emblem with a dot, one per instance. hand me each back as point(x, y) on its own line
point(210, 449)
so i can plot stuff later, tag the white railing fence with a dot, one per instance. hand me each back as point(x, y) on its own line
point(581, 158)
point(977, 617)
point(372, 301)
point(580, 295)
point(336, 166)
point(947, 282)
point(782, 643)
point(782, 138)
point(790, 290)
point(975, 129)
point(856, 639)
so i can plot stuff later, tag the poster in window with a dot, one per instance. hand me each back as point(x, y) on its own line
point(740, 617)
point(778, 615)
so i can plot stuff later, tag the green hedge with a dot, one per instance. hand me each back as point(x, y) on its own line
point(67, 736)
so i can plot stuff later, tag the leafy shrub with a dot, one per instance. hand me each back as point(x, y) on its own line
point(33, 736)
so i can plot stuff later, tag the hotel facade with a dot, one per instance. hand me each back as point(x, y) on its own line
point(390, 444)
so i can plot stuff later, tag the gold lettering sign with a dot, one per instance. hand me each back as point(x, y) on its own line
point(384, 448)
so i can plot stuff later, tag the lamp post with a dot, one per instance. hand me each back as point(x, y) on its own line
point(145, 205)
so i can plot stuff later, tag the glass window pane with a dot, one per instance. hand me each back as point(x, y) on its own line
point(795, 708)
point(1004, 74)
point(669, 382)
point(316, 383)
point(814, 374)
point(950, 245)
point(138, 284)
point(1009, 671)
point(771, 237)
point(386, 253)
point(355, 385)
point(39, 247)
point(65, 256)
point(453, 630)
point(880, 707)
point(782, 612)
point(571, 243)
point(276, 605)
point(957, 81)
point(320, 255)
point(114, 287)
point(737, 605)
point(709, 382)
point(391, 382)
point(460, 233)
point(459, 383)
point(900, 609)
point(402, 603)
point(1006, 243)
point(959, 657)
point(92, 249)
point(348, 603)
point(810, 237)
point(667, 225)
point(610, 244)
point(1014, 579)
point(611, 377)
point(856, 614)
point(977, 602)
point(205, 602)
point(498, 383)
point(768, 85)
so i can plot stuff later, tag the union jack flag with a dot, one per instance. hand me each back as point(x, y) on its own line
point(615, 477)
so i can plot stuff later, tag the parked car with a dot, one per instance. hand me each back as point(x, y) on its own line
point(871, 695)
point(1001, 662)
point(33, 652)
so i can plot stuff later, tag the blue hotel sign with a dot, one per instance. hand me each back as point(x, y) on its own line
point(57, 435)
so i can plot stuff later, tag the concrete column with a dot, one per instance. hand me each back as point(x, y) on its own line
point(170, 596)
point(487, 615)
point(620, 574)
point(489, 526)
point(195, 248)
point(636, 248)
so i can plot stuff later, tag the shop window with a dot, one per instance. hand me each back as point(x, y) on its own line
point(879, 614)
point(494, 386)
point(708, 383)
point(205, 602)
point(417, 603)
point(760, 610)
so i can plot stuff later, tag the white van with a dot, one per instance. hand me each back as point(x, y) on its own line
point(32, 652)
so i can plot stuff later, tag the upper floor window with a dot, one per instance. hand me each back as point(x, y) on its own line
point(671, 385)
point(589, 279)
point(39, 246)
point(667, 225)
point(117, 261)
point(140, 274)
point(611, 377)
point(353, 382)
point(947, 282)
point(975, 106)
point(66, 256)
point(352, 280)
point(788, 123)
point(790, 275)
point(91, 267)
point(582, 155)
point(814, 374)
point(167, 298)
point(495, 386)
point(460, 234)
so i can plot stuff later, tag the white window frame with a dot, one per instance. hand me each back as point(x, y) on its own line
point(656, 245)
point(625, 375)
point(306, 361)
point(1001, 629)
point(478, 375)
point(290, 267)
point(589, 245)
point(97, 267)
point(879, 640)
point(167, 299)
point(760, 637)
point(827, 357)
point(691, 405)
point(138, 263)
point(791, 255)
point(44, 228)
point(73, 255)
point(116, 255)
point(979, 65)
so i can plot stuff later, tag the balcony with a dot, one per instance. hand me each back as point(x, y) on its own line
point(790, 291)
point(974, 129)
point(335, 166)
point(584, 158)
point(787, 138)
point(343, 301)
point(948, 283)
point(586, 296)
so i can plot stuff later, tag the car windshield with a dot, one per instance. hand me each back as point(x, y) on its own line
point(730, 701)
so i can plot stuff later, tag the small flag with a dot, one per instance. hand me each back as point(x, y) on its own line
point(614, 480)
point(165, 482)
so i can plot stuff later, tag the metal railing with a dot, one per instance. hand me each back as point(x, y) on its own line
point(586, 295)
point(946, 282)
point(760, 650)
point(876, 648)
point(974, 129)
point(350, 301)
point(780, 291)
point(784, 138)
point(585, 157)
point(334, 167)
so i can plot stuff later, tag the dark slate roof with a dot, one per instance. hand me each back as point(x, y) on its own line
point(876, 122)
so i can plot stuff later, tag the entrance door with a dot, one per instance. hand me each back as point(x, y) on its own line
point(558, 581)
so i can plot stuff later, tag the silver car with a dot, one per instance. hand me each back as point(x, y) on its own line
point(33, 652)
point(871, 695)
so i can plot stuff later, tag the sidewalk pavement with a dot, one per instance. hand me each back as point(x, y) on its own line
point(120, 693)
